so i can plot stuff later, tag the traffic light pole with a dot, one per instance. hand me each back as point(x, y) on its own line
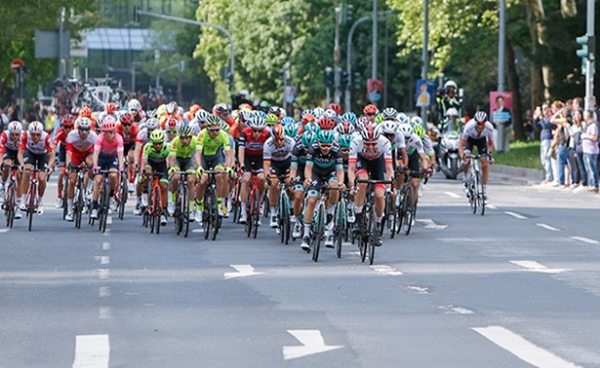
point(591, 59)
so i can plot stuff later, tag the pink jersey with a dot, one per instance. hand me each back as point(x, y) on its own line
point(109, 148)
point(43, 146)
point(6, 142)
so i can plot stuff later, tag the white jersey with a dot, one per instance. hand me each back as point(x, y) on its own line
point(195, 125)
point(398, 141)
point(43, 146)
point(427, 146)
point(414, 144)
point(8, 143)
point(470, 131)
point(274, 153)
point(143, 136)
point(78, 144)
point(384, 147)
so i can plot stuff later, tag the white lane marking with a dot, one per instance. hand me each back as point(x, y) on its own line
point(104, 291)
point(5, 230)
point(548, 227)
point(461, 310)
point(523, 349)
point(198, 230)
point(516, 215)
point(491, 207)
point(242, 271)
point(106, 246)
point(537, 267)
point(104, 313)
point(430, 224)
point(453, 195)
point(386, 270)
point(103, 273)
point(312, 343)
point(91, 351)
point(109, 220)
point(584, 239)
point(419, 289)
point(103, 259)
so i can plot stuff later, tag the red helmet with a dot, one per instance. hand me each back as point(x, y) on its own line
point(126, 118)
point(67, 121)
point(171, 124)
point(85, 112)
point(335, 107)
point(308, 118)
point(75, 111)
point(326, 123)
point(370, 109)
point(110, 108)
point(277, 131)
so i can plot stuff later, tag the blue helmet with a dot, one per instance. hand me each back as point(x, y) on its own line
point(308, 138)
point(287, 120)
point(349, 117)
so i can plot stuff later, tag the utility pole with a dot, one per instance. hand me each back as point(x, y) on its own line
point(501, 64)
point(591, 59)
point(374, 42)
point(336, 56)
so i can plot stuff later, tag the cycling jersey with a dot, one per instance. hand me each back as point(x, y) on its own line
point(43, 146)
point(470, 131)
point(414, 144)
point(274, 153)
point(253, 146)
point(7, 144)
point(210, 146)
point(180, 151)
point(330, 161)
point(128, 138)
point(383, 148)
point(152, 155)
point(299, 153)
point(108, 148)
point(79, 147)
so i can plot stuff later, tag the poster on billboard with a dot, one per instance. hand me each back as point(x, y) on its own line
point(501, 108)
point(425, 92)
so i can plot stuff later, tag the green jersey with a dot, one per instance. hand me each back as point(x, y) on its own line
point(151, 154)
point(180, 151)
point(210, 146)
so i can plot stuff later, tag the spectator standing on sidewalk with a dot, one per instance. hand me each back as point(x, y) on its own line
point(591, 150)
point(541, 118)
point(577, 150)
point(561, 140)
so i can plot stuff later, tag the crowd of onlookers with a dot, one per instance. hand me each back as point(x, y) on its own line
point(37, 112)
point(569, 144)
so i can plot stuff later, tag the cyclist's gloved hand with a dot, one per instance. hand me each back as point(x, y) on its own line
point(173, 169)
point(268, 180)
point(95, 169)
point(123, 171)
point(199, 171)
point(230, 170)
point(491, 160)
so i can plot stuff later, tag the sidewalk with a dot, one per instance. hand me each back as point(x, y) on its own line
point(516, 175)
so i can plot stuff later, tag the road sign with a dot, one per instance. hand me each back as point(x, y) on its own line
point(15, 64)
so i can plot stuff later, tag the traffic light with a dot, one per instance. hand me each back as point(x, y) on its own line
point(347, 13)
point(356, 80)
point(344, 80)
point(282, 77)
point(329, 78)
point(588, 47)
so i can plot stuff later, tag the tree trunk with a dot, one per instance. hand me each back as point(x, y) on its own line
point(535, 15)
point(514, 86)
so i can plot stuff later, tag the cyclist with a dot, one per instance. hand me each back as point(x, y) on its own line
point(182, 157)
point(66, 126)
point(36, 149)
point(417, 159)
point(299, 154)
point(171, 111)
point(277, 158)
point(224, 112)
point(9, 149)
point(108, 155)
point(323, 165)
point(197, 124)
point(345, 142)
point(250, 156)
point(477, 133)
point(141, 139)
point(80, 147)
point(172, 128)
point(370, 112)
point(86, 112)
point(370, 158)
point(271, 120)
point(214, 153)
point(110, 109)
point(134, 107)
point(129, 132)
point(154, 159)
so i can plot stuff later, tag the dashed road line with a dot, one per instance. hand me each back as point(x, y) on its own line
point(453, 195)
point(515, 215)
point(548, 227)
point(91, 351)
point(585, 240)
point(537, 267)
point(386, 270)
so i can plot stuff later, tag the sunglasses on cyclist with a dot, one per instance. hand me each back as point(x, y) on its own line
point(370, 144)
point(84, 130)
point(345, 150)
point(214, 129)
point(326, 146)
point(126, 124)
point(172, 131)
point(36, 134)
point(257, 130)
point(371, 114)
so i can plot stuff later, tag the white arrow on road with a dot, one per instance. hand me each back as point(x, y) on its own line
point(242, 271)
point(312, 343)
point(430, 224)
point(537, 267)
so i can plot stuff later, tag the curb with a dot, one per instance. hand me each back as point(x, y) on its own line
point(517, 175)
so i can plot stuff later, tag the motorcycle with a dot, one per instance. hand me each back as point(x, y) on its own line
point(449, 161)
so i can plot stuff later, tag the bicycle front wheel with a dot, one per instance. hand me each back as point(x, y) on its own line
point(255, 214)
point(32, 205)
point(10, 202)
point(480, 199)
point(339, 226)
point(318, 232)
point(372, 231)
point(185, 212)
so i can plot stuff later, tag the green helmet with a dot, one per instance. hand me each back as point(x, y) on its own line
point(419, 130)
point(379, 118)
point(308, 138)
point(345, 140)
point(157, 136)
point(290, 130)
point(186, 131)
point(326, 136)
point(271, 119)
point(312, 127)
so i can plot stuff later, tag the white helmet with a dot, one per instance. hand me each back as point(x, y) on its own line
point(389, 113)
point(331, 114)
point(406, 130)
point(416, 120)
point(450, 83)
point(318, 112)
point(134, 104)
point(152, 123)
point(85, 123)
point(389, 127)
point(202, 115)
point(257, 122)
point(401, 118)
point(451, 112)
point(36, 127)
point(15, 127)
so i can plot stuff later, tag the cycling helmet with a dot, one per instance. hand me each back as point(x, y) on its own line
point(277, 131)
point(389, 113)
point(345, 128)
point(331, 114)
point(278, 111)
point(287, 120)
point(194, 108)
point(307, 118)
point(171, 108)
point(245, 115)
point(260, 113)
point(157, 136)
point(326, 123)
point(370, 109)
point(126, 118)
point(186, 131)
point(213, 121)
point(389, 127)
point(36, 127)
point(326, 136)
point(449, 84)
point(257, 122)
point(67, 122)
point(108, 124)
point(379, 119)
point(224, 126)
point(308, 138)
point(110, 108)
point(152, 123)
point(349, 117)
point(416, 120)
point(201, 115)
point(345, 140)
point(220, 109)
point(134, 105)
point(291, 130)
point(480, 117)
point(335, 107)
point(305, 112)
point(318, 112)
point(451, 112)
point(370, 133)
point(171, 124)
point(84, 123)
point(15, 127)
point(245, 107)
point(419, 130)
point(85, 112)
point(401, 118)
point(75, 111)
point(312, 127)
point(271, 119)
point(161, 110)
point(406, 130)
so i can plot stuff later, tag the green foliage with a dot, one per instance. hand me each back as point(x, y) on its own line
point(521, 154)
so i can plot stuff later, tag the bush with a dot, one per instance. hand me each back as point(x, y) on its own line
point(521, 154)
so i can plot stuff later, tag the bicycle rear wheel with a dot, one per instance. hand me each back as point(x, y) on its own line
point(10, 203)
point(318, 222)
point(372, 231)
point(255, 213)
point(479, 190)
point(339, 226)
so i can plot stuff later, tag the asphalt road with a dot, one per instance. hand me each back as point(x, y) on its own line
point(518, 287)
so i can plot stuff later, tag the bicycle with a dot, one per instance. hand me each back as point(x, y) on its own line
point(63, 198)
point(210, 216)
point(284, 211)
point(32, 196)
point(10, 197)
point(475, 185)
point(103, 202)
point(319, 222)
point(340, 223)
point(236, 205)
point(121, 195)
point(370, 231)
point(253, 209)
point(154, 210)
point(79, 203)
point(182, 209)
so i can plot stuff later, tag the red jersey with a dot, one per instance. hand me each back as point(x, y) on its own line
point(253, 146)
point(6, 142)
point(128, 138)
point(60, 137)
